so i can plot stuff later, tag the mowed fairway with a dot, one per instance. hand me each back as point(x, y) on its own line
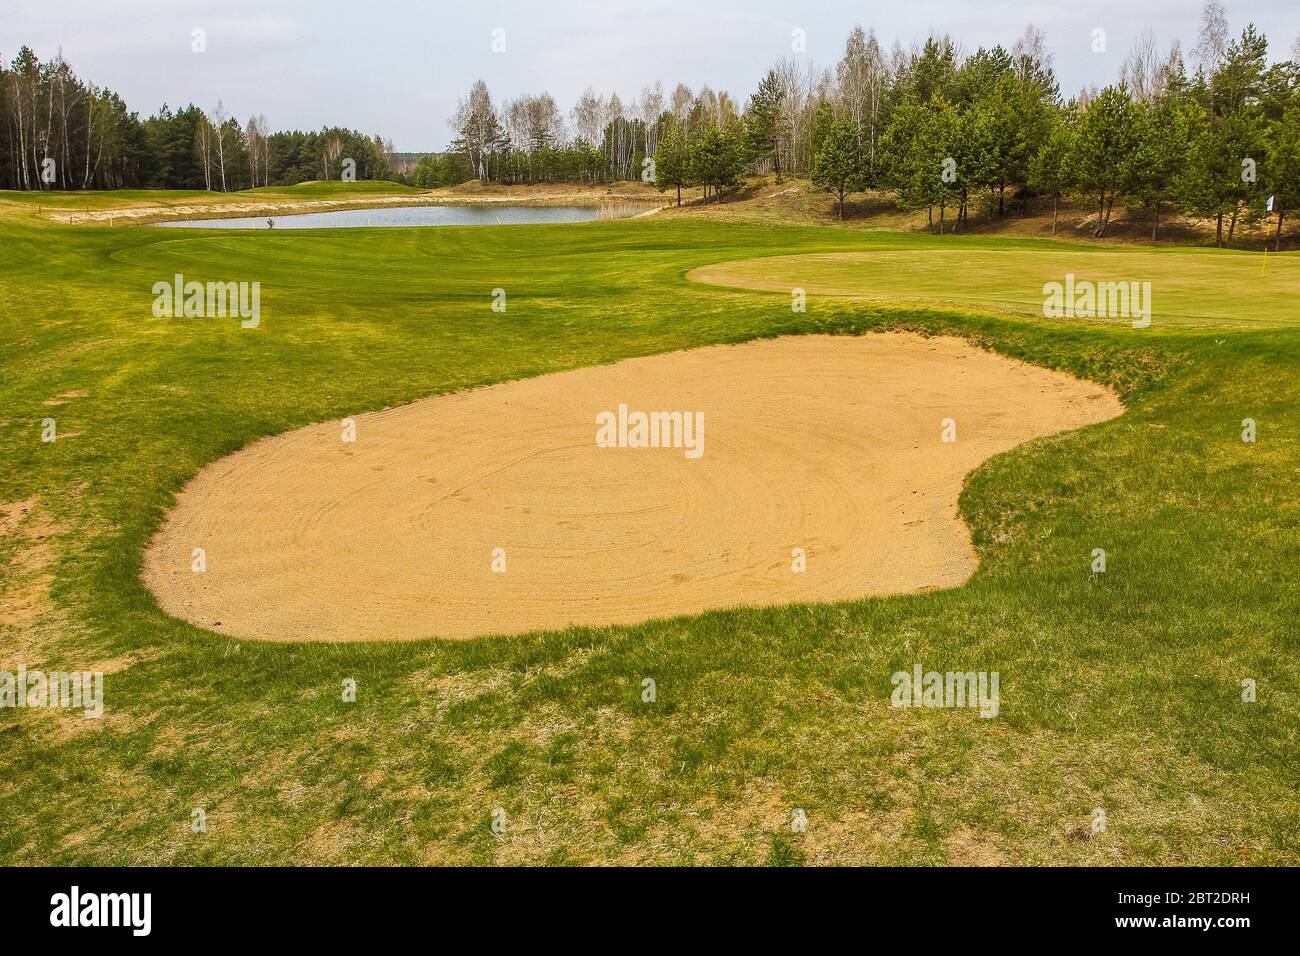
point(1120, 691)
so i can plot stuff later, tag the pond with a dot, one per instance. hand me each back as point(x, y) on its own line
point(477, 215)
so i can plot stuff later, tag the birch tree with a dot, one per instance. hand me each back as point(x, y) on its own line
point(218, 120)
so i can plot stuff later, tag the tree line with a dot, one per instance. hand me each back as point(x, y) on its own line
point(1221, 142)
point(58, 131)
point(937, 129)
point(933, 127)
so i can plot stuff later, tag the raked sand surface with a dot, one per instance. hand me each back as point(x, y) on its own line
point(830, 444)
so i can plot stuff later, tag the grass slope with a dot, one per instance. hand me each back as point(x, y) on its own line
point(799, 202)
point(1120, 691)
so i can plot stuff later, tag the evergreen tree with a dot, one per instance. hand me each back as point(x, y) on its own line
point(719, 158)
point(1283, 170)
point(839, 166)
point(1161, 156)
point(1226, 156)
point(672, 158)
point(764, 121)
point(1049, 168)
point(1100, 164)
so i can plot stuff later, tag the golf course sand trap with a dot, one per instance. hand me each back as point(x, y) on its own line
point(828, 444)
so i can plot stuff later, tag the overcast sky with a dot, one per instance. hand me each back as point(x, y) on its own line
point(399, 66)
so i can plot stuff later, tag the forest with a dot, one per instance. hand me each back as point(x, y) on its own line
point(1214, 133)
point(62, 132)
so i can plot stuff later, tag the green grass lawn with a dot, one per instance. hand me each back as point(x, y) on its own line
point(99, 199)
point(1120, 691)
point(1212, 289)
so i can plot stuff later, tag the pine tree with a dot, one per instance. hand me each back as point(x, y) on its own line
point(763, 117)
point(1282, 173)
point(1161, 157)
point(839, 166)
point(1100, 164)
point(1225, 158)
point(719, 157)
point(672, 158)
point(1049, 168)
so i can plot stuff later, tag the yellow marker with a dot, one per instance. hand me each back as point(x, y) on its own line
point(1265, 264)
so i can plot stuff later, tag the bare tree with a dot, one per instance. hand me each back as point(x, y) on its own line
point(20, 79)
point(1142, 69)
point(330, 152)
point(649, 108)
point(99, 129)
point(1031, 48)
point(218, 120)
point(681, 103)
point(478, 129)
point(851, 74)
point(41, 141)
point(1212, 43)
point(264, 130)
point(514, 118)
point(386, 154)
point(862, 78)
point(588, 115)
point(68, 93)
point(618, 149)
point(250, 144)
point(256, 134)
point(203, 143)
point(92, 116)
point(706, 103)
point(802, 88)
point(545, 123)
point(532, 124)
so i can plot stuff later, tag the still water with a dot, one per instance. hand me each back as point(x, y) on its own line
point(484, 215)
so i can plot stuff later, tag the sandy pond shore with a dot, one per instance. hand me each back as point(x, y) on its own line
point(219, 207)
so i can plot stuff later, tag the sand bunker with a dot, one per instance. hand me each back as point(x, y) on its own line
point(828, 444)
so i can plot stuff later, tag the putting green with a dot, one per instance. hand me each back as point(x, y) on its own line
point(1188, 288)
